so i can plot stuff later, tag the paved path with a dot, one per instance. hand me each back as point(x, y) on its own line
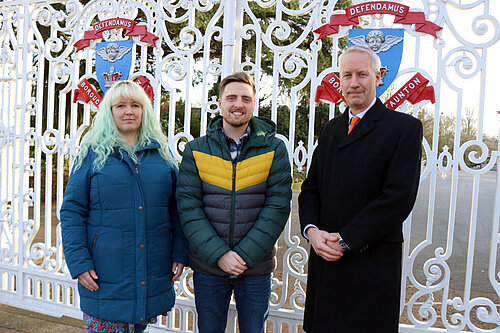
point(14, 320)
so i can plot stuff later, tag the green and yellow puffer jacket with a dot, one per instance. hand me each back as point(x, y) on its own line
point(242, 205)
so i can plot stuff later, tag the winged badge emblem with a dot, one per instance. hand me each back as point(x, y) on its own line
point(113, 52)
point(113, 62)
point(388, 44)
point(376, 41)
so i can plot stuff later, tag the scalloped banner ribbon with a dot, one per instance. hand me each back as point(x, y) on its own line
point(144, 83)
point(329, 89)
point(401, 12)
point(132, 28)
point(86, 93)
point(415, 90)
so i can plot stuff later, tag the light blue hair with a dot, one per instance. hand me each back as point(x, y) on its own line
point(104, 136)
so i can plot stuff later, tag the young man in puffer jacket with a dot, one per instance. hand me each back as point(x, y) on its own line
point(233, 195)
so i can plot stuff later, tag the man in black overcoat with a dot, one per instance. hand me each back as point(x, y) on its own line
point(359, 190)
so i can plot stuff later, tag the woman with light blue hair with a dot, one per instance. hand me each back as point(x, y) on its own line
point(121, 234)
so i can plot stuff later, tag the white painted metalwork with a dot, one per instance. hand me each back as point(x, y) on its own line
point(200, 41)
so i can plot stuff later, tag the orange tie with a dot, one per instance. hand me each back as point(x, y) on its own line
point(354, 121)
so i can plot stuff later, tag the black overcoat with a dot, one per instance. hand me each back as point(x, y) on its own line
point(364, 186)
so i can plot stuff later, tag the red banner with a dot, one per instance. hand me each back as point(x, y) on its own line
point(401, 12)
point(144, 83)
point(421, 24)
point(329, 89)
point(86, 92)
point(415, 90)
point(116, 23)
point(377, 7)
point(336, 20)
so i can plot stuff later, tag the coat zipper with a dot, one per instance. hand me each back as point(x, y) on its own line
point(141, 193)
point(233, 199)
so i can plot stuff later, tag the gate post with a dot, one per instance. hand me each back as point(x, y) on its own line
point(231, 42)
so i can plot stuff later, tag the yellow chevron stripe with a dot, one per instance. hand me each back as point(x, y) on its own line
point(214, 170)
point(217, 171)
point(253, 170)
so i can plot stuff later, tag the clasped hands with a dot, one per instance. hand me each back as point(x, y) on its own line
point(232, 263)
point(325, 244)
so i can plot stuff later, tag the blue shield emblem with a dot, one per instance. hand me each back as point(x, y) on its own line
point(113, 62)
point(388, 44)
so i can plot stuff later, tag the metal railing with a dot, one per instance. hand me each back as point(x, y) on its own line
point(451, 278)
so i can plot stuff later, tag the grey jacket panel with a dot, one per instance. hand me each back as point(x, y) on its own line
point(217, 207)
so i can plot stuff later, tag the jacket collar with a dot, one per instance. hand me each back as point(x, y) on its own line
point(364, 126)
point(152, 145)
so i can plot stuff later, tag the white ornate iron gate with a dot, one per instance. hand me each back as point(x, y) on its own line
point(451, 262)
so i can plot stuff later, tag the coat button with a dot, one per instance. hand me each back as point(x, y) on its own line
point(143, 283)
point(140, 207)
point(141, 246)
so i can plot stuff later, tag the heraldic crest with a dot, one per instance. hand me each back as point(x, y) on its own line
point(113, 59)
point(386, 43)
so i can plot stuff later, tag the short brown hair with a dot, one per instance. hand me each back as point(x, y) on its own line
point(242, 77)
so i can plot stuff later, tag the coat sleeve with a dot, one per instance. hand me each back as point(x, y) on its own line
point(395, 202)
point(180, 250)
point(201, 235)
point(309, 197)
point(74, 213)
point(260, 239)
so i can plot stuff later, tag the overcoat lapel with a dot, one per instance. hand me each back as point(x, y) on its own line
point(364, 126)
point(340, 130)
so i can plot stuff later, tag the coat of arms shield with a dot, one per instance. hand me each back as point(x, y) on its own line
point(113, 62)
point(388, 44)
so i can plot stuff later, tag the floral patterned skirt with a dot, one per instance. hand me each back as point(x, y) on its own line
point(105, 326)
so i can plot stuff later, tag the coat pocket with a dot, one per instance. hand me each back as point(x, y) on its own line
point(161, 254)
point(93, 245)
point(107, 254)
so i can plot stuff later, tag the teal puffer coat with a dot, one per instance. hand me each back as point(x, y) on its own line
point(122, 222)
